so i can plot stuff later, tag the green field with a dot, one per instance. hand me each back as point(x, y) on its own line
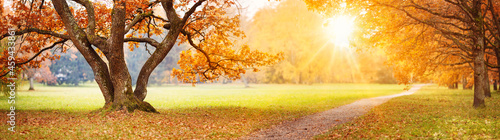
point(204, 111)
point(431, 113)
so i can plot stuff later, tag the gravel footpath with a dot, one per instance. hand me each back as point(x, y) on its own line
point(315, 124)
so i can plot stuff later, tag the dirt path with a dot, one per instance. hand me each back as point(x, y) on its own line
point(315, 124)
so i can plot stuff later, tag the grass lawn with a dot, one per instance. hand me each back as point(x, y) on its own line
point(432, 112)
point(201, 112)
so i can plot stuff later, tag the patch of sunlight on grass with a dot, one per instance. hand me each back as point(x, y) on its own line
point(201, 112)
point(266, 96)
point(304, 97)
point(433, 112)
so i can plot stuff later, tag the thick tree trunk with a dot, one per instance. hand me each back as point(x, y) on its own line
point(124, 98)
point(78, 38)
point(497, 54)
point(481, 83)
point(479, 70)
point(32, 87)
point(160, 53)
point(486, 80)
point(142, 80)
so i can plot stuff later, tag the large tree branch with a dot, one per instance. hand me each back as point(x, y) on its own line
point(74, 29)
point(39, 31)
point(417, 6)
point(89, 7)
point(433, 25)
point(137, 19)
point(190, 40)
point(150, 41)
point(168, 6)
point(37, 54)
point(192, 10)
point(41, 51)
point(430, 23)
point(81, 42)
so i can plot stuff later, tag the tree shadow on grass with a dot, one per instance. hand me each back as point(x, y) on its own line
point(186, 123)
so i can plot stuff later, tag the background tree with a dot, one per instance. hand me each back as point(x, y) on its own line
point(137, 56)
point(311, 53)
point(71, 68)
point(45, 76)
point(452, 33)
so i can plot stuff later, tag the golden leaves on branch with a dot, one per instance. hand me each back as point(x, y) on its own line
point(194, 66)
point(216, 51)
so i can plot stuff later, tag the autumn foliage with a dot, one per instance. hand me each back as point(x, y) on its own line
point(426, 40)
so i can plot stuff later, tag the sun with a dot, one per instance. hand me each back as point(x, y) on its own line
point(340, 29)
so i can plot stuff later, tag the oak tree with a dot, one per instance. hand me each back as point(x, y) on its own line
point(99, 31)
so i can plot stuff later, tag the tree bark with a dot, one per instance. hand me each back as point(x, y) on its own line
point(158, 55)
point(479, 68)
point(176, 26)
point(486, 80)
point(497, 55)
point(78, 37)
point(481, 85)
point(124, 98)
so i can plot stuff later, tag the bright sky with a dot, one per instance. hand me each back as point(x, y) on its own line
point(250, 7)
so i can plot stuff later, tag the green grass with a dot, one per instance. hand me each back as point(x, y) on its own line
point(431, 113)
point(201, 112)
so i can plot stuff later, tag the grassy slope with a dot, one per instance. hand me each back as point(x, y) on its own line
point(432, 112)
point(205, 111)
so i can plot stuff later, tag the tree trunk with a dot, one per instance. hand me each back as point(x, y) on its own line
point(32, 87)
point(124, 98)
point(486, 80)
point(245, 81)
point(495, 85)
point(464, 82)
point(481, 85)
point(98, 66)
point(479, 70)
point(497, 54)
point(160, 53)
point(451, 86)
point(115, 84)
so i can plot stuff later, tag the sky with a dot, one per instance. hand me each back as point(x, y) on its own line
point(250, 7)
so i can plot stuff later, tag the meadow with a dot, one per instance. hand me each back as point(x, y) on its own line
point(431, 113)
point(200, 112)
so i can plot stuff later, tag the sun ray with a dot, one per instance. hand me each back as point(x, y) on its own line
point(340, 29)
